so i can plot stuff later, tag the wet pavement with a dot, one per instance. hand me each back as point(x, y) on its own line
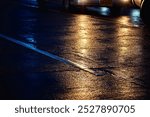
point(56, 54)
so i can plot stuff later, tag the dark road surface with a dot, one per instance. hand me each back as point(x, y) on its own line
point(56, 54)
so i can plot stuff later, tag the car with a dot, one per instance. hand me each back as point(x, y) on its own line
point(106, 3)
point(115, 5)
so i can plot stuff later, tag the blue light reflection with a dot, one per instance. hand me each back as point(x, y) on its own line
point(135, 16)
point(104, 11)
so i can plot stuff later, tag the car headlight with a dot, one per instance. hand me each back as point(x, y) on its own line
point(82, 1)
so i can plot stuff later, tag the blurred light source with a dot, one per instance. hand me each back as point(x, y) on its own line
point(135, 17)
point(135, 13)
point(104, 11)
point(125, 1)
point(137, 2)
point(82, 1)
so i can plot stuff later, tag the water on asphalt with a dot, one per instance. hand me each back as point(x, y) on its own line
point(117, 47)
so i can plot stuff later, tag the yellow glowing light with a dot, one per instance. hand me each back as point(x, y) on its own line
point(125, 1)
point(82, 1)
point(124, 20)
point(83, 33)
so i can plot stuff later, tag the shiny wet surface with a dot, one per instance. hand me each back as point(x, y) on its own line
point(116, 47)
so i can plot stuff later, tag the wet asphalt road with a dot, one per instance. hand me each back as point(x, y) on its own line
point(72, 55)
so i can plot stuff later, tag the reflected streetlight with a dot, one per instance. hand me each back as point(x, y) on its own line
point(129, 55)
